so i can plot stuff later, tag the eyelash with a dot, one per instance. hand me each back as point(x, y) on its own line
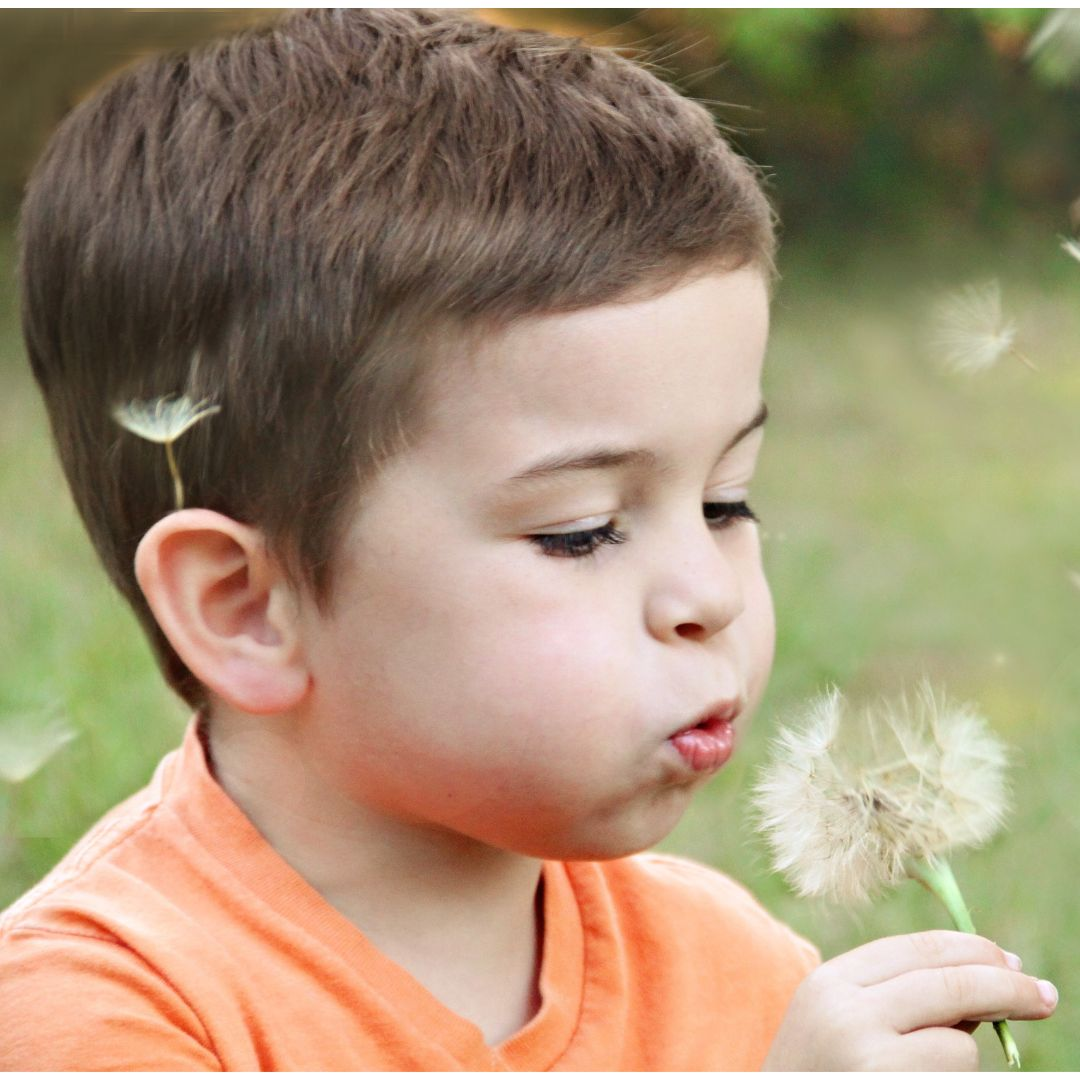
point(577, 545)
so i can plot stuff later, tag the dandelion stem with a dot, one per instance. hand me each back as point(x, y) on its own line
point(936, 876)
point(178, 486)
point(1023, 359)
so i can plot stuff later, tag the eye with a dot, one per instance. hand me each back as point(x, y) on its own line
point(584, 542)
point(576, 545)
point(721, 514)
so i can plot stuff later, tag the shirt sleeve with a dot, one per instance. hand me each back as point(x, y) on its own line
point(73, 1002)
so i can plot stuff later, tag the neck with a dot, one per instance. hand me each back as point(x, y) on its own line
point(463, 918)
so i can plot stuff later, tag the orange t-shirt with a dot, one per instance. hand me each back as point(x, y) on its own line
point(173, 937)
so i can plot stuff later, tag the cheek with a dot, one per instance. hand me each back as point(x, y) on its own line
point(503, 648)
point(520, 706)
point(543, 657)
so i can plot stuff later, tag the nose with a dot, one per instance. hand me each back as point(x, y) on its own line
point(696, 588)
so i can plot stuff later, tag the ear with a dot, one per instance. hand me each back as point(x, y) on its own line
point(226, 607)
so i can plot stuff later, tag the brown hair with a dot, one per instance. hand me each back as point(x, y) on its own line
point(288, 222)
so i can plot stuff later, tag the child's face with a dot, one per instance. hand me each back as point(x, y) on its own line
point(522, 691)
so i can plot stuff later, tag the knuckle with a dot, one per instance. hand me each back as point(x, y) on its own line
point(821, 981)
point(929, 946)
point(956, 983)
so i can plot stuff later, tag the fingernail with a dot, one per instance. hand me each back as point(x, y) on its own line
point(1048, 992)
point(1014, 961)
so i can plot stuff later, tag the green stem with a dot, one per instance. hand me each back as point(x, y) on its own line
point(936, 875)
point(1023, 359)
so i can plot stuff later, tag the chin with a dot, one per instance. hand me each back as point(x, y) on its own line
point(619, 834)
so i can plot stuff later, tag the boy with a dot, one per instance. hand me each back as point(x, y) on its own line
point(465, 588)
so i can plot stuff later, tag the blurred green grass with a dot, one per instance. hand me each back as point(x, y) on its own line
point(915, 522)
point(920, 522)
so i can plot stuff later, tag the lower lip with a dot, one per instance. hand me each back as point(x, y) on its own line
point(706, 749)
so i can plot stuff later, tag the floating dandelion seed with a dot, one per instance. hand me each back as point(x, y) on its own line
point(1071, 247)
point(27, 742)
point(163, 420)
point(971, 329)
point(850, 804)
point(1055, 47)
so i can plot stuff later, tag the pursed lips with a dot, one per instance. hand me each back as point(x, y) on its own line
point(720, 712)
point(708, 743)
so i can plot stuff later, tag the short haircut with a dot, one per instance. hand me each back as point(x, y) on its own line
point(294, 221)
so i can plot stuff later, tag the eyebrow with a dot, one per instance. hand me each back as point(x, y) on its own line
point(604, 457)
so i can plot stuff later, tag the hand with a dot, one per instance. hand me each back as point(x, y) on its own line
point(906, 1002)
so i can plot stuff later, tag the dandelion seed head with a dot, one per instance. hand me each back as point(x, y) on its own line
point(1071, 247)
point(850, 796)
point(971, 330)
point(163, 419)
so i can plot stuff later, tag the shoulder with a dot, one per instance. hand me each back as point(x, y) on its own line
point(75, 1000)
point(76, 989)
point(705, 908)
point(77, 893)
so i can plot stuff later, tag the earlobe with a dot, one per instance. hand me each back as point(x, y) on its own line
point(226, 607)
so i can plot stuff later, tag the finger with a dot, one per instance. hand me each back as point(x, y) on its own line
point(942, 997)
point(939, 1050)
point(888, 957)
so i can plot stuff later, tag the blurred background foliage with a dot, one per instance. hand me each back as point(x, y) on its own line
point(864, 117)
point(880, 118)
point(915, 521)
